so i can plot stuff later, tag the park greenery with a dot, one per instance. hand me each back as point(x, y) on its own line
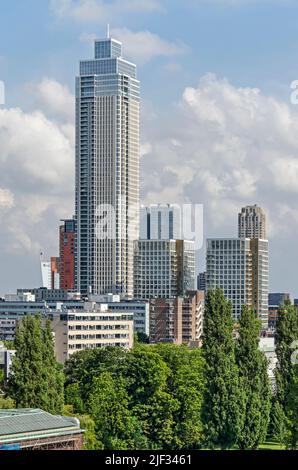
point(166, 396)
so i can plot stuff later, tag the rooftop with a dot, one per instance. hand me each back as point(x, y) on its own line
point(24, 424)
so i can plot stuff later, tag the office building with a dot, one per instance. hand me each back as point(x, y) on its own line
point(140, 309)
point(201, 284)
point(16, 307)
point(275, 300)
point(67, 234)
point(107, 170)
point(240, 268)
point(160, 222)
point(163, 268)
point(252, 223)
point(93, 327)
point(43, 294)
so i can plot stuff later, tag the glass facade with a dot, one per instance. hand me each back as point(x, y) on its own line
point(107, 169)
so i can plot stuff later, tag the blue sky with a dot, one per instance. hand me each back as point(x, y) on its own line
point(207, 135)
point(253, 44)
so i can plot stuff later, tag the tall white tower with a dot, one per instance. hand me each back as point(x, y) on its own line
point(107, 171)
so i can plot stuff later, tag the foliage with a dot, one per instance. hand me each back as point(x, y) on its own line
point(147, 398)
point(186, 384)
point(107, 404)
point(253, 373)
point(141, 338)
point(291, 438)
point(88, 425)
point(278, 422)
point(286, 334)
point(223, 408)
point(36, 379)
point(6, 403)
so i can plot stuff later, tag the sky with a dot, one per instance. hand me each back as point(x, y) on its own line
point(218, 126)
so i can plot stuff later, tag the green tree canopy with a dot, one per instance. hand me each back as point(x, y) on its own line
point(253, 372)
point(223, 408)
point(36, 379)
point(286, 335)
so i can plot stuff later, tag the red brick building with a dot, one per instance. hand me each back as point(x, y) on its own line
point(67, 255)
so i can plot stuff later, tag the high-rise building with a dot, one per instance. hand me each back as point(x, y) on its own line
point(201, 284)
point(46, 274)
point(275, 300)
point(160, 222)
point(107, 170)
point(163, 268)
point(240, 268)
point(67, 254)
point(50, 272)
point(166, 320)
point(193, 306)
point(178, 320)
point(252, 223)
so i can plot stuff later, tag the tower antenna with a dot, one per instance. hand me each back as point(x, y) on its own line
point(108, 31)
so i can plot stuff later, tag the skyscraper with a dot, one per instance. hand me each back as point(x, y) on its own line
point(160, 222)
point(107, 170)
point(50, 272)
point(252, 223)
point(163, 268)
point(240, 268)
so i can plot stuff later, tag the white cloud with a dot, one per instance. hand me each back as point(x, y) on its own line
point(100, 10)
point(142, 46)
point(6, 199)
point(236, 147)
point(36, 170)
point(54, 97)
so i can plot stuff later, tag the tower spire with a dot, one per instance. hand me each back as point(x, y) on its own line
point(108, 31)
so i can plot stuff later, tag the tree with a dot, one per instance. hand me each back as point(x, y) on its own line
point(6, 403)
point(286, 334)
point(186, 385)
point(73, 397)
point(108, 405)
point(253, 373)
point(36, 380)
point(278, 422)
point(83, 366)
point(291, 437)
point(141, 338)
point(53, 372)
point(146, 374)
point(223, 405)
point(88, 425)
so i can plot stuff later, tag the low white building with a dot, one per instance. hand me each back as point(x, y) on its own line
point(94, 327)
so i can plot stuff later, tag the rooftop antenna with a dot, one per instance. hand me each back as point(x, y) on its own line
point(108, 31)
